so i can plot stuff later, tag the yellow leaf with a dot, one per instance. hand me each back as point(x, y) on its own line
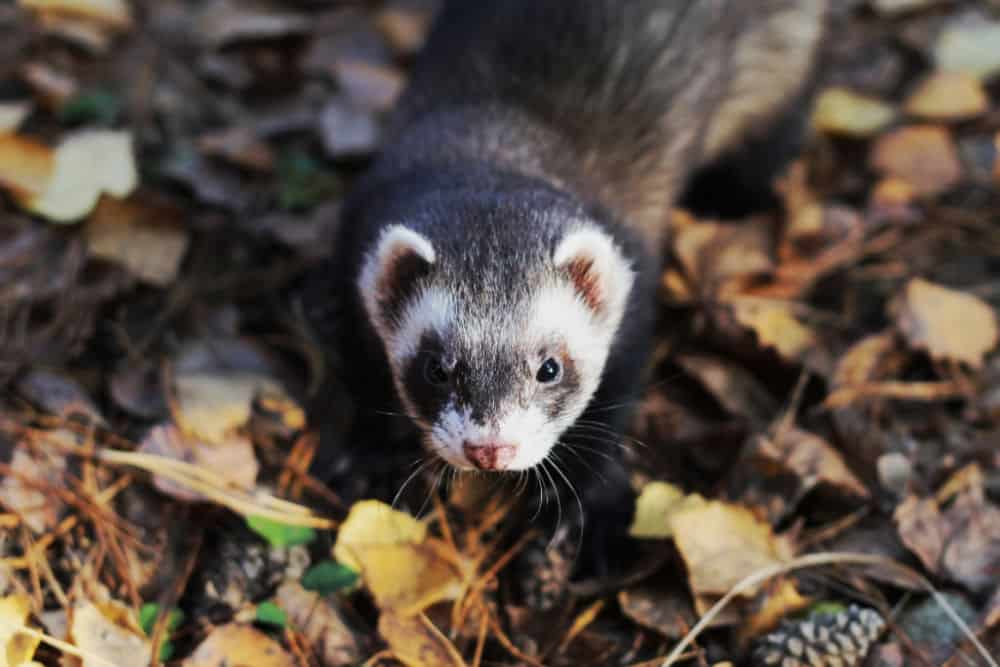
point(110, 633)
point(87, 164)
point(416, 642)
point(948, 96)
point(114, 13)
point(656, 502)
point(841, 111)
point(372, 523)
point(948, 324)
point(210, 405)
point(26, 166)
point(16, 648)
point(238, 645)
point(721, 544)
point(776, 327)
point(408, 578)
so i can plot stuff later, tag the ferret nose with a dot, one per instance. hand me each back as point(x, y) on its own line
point(490, 455)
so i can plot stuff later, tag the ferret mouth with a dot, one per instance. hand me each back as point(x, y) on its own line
point(486, 456)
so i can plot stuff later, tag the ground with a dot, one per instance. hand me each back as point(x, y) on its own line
point(817, 456)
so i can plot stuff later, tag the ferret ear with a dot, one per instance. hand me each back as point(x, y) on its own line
point(598, 270)
point(392, 271)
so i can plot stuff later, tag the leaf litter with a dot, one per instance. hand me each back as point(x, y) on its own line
point(827, 381)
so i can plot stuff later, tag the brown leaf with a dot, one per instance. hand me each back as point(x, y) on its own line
point(112, 13)
point(948, 324)
point(240, 146)
point(668, 612)
point(416, 642)
point(24, 491)
point(224, 22)
point(720, 259)
point(812, 459)
point(721, 544)
point(736, 390)
point(26, 166)
point(320, 622)
point(920, 527)
point(924, 156)
point(144, 236)
point(948, 96)
point(776, 327)
point(236, 645)
point(871, 358)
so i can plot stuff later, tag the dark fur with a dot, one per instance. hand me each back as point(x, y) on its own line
point(525, 114)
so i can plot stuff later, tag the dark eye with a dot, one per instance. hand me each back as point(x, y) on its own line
point(434, 372)
point(549, 371)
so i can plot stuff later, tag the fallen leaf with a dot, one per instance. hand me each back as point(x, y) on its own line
point(113, 13)
point(811, 458)
point(416, 642)
point(224, 22)
point(871, 358)
point(971, 46)
point(842, 111)
point(111, 633)
point(735, 388)
point(924, 156)
point(236, 645)
point(212, 405)
point(231, 459)
point(86, 165)
point(721, 544)
point(25, 492)
point(372, 523)
point(319, 620)
point(405, 27)
point(948, 96)
point(948, 324)
point(656, 503)
point(145, 237)
point(668, 612)
point(901, 6)
point(369, 86)
point(16, 648)
point(776, 327)
point(781, 599)
point(280, 535)
point(26, 166)
point(12, 114)
point(718, 258)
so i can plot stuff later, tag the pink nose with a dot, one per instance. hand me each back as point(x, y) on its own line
point(491, 456)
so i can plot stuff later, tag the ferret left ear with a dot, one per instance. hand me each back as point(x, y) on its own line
point(392, 271)
point(598, 270)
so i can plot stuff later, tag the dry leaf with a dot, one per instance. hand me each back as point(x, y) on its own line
point(26, 166)
point(656, 502)
point(12, 114)
point(776, 327)
point(782, 599)
point(971, 46)
point(841, 111)
point(224, 22)
point(239, 145)
point(232, 459)
point(428, 576)
point(948, 96)
point(871, 358)
point(109, 632)
point(950, 325)
point(236, 645)
point(320, 622)
point(720, 259)
point(372, 523)
point(416, 642)
point(924, 156)
point(668, 612)
point(113, 13)
point(25, 492)
point(735, 388)
point(722, 543)
point(16, 648)
point(812, 459)
point(87, 164)
point(901, 6)
point(147, 239)
point(212, 405)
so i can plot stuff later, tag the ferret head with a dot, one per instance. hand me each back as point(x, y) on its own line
point(495, 348)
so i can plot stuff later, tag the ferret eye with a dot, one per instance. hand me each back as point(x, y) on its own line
point(434, 372)
point(549, 372)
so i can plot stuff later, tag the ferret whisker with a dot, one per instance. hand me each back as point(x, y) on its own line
point(555, 493)
point(579, 506)
point(541, 494)
point(572, 450)
point(439, 475)
point(426, 462)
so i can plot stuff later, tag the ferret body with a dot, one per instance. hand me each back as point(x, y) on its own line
point(502, 255)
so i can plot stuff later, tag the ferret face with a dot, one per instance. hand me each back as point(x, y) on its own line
point(495, 360)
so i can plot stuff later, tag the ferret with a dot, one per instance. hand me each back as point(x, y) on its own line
point(501, 256)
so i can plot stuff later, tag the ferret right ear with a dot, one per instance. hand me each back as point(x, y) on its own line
point(392, 271)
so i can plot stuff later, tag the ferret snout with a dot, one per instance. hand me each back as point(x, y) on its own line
point(490, 455)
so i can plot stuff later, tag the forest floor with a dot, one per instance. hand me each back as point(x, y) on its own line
point(818, 457)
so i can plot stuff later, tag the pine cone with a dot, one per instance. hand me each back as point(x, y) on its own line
point(821, 640)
